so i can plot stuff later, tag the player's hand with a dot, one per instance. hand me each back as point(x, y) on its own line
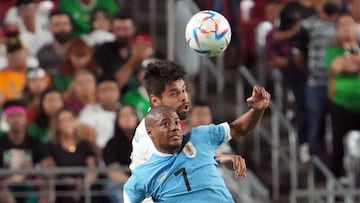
point(233, 162)
point(259, 99)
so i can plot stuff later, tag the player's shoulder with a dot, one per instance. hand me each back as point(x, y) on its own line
point(147, 168)
point(140, 132)
point(210, 128)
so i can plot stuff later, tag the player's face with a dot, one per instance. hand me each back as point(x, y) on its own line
point(166, 132)
point(175, 96)
point(200, 115)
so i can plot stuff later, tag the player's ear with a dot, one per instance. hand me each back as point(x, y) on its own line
point(155, 101)
point(149, 132)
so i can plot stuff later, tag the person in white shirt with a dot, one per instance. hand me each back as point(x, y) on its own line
point(32, 20)
point(101, 116)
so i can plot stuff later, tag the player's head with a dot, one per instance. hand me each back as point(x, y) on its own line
point(200, 114)
point(163, 127)
point(165, 84)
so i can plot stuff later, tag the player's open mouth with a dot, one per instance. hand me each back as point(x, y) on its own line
point(185, 107)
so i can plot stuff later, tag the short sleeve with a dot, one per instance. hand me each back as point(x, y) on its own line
point(134, 190)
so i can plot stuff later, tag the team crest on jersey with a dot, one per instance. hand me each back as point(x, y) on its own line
point(162, 177)
point(189, 150)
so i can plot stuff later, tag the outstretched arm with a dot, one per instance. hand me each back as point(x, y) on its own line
point(258, 102)
point(233, 162)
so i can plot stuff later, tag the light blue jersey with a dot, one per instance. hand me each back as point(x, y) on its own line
point(188, 176)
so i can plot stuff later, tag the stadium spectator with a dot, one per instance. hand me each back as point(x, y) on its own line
point(142, 48)
point(101, 115)
point(69, 149)
point(101, 29)
point(82, 10)
point(200, 114)
point(10, 31)
point(111, 56)
point(52, 54)
point(322, 33)
point(78, 57)
point(37, 81)
point(137, 97)
point(13, 78)
point(117, 151)
point(286, 49)
point(32, 22)
point(343, 63)
point(51, 101)
point(20, 151)
point(81, 91)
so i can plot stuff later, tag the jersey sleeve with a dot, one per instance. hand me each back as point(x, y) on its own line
point(134, 190)
point(214, 135)
point(142, 146)
point(227, 134)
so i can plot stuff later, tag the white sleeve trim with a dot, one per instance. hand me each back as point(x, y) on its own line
point(226, 126)
point(126, 198)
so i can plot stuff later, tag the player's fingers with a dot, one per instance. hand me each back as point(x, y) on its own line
point(240, 167)
point(243, 164)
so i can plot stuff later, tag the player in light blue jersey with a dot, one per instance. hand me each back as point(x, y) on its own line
point(183, 168)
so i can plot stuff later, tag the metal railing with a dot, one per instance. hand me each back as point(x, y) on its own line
point(288, 156)
point(277, 119)
point(52, 177)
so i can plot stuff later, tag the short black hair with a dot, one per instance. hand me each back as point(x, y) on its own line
point(14, 102)
point(200, 103)
point(100, 12)
point(21, 3)
point(58, 13)
point(151, 116)
point(161, 73)
point(13, 44)
point(105, 78)
point(123, 15)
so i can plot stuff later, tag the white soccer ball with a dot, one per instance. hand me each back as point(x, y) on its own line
point(208, 33)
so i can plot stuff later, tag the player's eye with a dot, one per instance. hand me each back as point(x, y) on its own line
point(165, 124)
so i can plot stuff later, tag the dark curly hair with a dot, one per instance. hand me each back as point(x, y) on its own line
point(161, 73)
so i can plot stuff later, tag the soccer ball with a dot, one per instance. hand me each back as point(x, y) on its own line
point(208, 33)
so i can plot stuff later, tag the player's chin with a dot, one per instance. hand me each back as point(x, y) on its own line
point(173, 146)
point(183, 110)
point(175, 140)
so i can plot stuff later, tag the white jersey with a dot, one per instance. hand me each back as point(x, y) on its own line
point(143, 146)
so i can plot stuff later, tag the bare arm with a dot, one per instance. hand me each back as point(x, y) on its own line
point(343, 64)
point(258, 102)
point(233, 162)
point(284, 35)
point(139, 52)
point(91, 162)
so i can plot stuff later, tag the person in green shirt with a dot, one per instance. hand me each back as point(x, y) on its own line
point(51, 101)
point(81, 11)
point(343, 64)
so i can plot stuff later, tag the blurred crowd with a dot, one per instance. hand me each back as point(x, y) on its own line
point(71, 91)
